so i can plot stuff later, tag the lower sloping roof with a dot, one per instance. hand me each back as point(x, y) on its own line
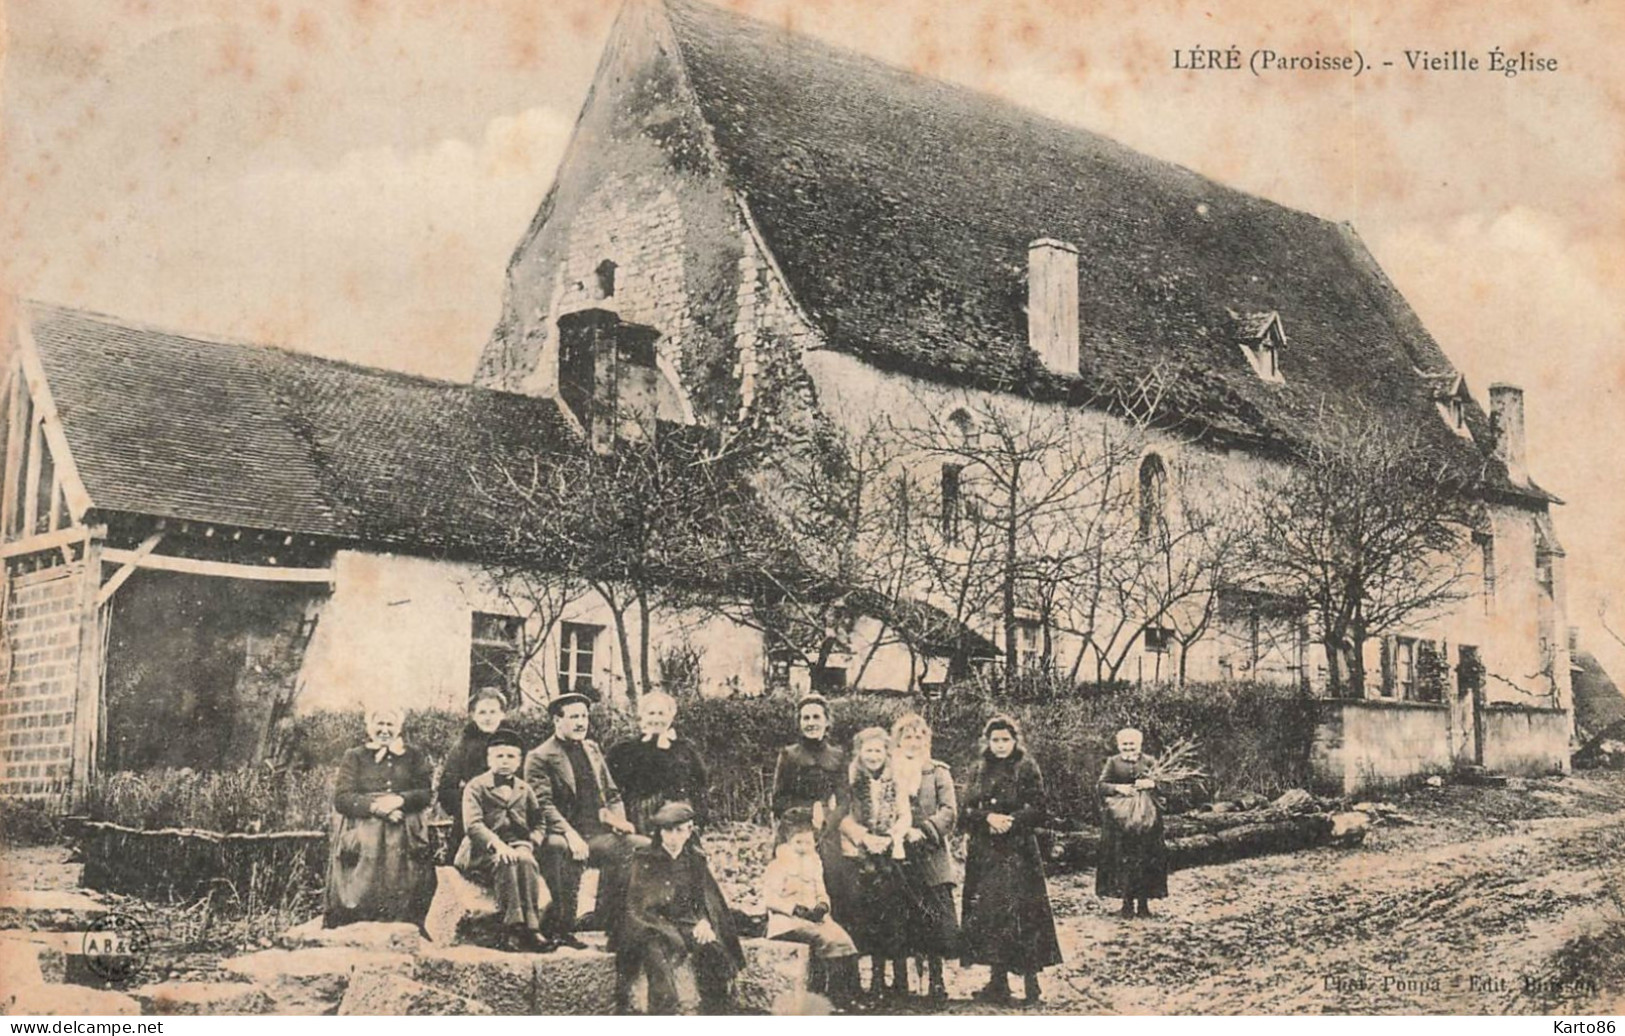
point(1598, 703)
point(174, 426)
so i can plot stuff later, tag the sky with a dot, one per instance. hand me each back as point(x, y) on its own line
point(350, 177)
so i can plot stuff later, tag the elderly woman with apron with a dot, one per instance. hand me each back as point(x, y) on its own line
point(380, 866)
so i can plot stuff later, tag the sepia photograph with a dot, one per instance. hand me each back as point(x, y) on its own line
point(812, 507)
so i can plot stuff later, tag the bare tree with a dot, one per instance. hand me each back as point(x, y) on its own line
point(1369, 527)
point(632, 521)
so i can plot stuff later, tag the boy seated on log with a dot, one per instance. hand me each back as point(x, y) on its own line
point(505, 825)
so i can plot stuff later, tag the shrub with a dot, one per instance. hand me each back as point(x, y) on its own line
point(27, 822)
point(226, 801)
point(1251, 738)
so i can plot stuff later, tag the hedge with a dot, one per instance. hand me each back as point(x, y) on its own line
point(1252, 738)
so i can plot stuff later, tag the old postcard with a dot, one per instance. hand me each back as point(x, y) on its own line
point(789, 507)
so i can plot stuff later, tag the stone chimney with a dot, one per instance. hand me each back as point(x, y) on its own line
point(1506, 409)
point(608, 376)
point(1052, 304)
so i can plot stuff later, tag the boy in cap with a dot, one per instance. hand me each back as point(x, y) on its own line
point(676, 913)
point(505, 823)
point(586, 821)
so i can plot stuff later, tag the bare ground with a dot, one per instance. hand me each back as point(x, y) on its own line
point(1495, 901)
point(1451, 916)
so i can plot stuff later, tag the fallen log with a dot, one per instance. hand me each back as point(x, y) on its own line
point(184, 864)
point(1257, 835)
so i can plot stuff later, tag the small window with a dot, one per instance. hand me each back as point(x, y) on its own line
point(1260, 337)
point(605, 276)
point(1153, 500)
point(829, 679)
point(1157, 639)
point(495, 652)
point(576, 643)
point(953, 508)
point(1405, 668)
point(963, 426)
point(1543, 571)
point(1485, 543)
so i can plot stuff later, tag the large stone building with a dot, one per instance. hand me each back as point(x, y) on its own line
point(748, 228)
point(811, 238)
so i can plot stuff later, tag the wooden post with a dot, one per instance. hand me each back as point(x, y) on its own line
point(53, 502)
point(14, 452)
point(30, 514)
point(88, 671)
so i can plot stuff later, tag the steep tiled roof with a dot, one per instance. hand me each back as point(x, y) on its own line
point(900, 209)
point(179, 427)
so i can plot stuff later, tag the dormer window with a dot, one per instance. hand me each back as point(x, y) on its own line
point(1449, 391)
point(1261, 338)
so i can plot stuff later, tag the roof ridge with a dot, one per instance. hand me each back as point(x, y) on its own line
point(962, 90)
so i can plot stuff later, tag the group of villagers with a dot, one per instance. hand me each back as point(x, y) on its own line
point(863, 864)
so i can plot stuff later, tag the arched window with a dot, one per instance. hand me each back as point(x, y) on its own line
point(1153, 499)
point(962, 426)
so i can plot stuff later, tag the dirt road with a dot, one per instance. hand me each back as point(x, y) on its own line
point(1452, 915)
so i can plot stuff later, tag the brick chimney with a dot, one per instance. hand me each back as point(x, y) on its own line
point(1506, 409)
point(1052, 304)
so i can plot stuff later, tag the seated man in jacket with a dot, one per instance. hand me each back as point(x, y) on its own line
point(586, 822)
point(676, 913)
point(505, 823)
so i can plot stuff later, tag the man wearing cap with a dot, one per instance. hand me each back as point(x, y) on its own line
point(506, 822)
point(676, 913)
point(586, 821)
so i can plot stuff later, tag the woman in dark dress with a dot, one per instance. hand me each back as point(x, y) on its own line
point(1008, 923)
point(487, 710)
point(1133, 864)
point(380, 867)
point(658, 766)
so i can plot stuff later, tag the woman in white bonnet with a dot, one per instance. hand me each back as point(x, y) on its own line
point(1133, 864)
point(379, 864)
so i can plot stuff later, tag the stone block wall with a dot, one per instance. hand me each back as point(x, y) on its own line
point(1522, 739)
point(1367, 744)
point(37, 695)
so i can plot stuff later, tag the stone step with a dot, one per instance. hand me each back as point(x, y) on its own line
point(383, 993)
point(312, 980)
point(57, 999)
point(384, 936)
point(202, 998)
point(54, 910)
point(22, 951)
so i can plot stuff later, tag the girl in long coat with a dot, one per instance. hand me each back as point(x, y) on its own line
point(1008, 922)
point(929, 870)
point(1132, 864)
point(873, 839)
point(380, 866)
point(487, 710)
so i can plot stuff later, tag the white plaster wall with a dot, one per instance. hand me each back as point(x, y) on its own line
point(398, 629)
point(853, 393)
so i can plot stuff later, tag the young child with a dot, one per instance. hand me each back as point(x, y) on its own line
point(505, 825)
point(798, 905)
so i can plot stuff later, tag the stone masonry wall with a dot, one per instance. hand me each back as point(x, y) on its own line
point(37, 698)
